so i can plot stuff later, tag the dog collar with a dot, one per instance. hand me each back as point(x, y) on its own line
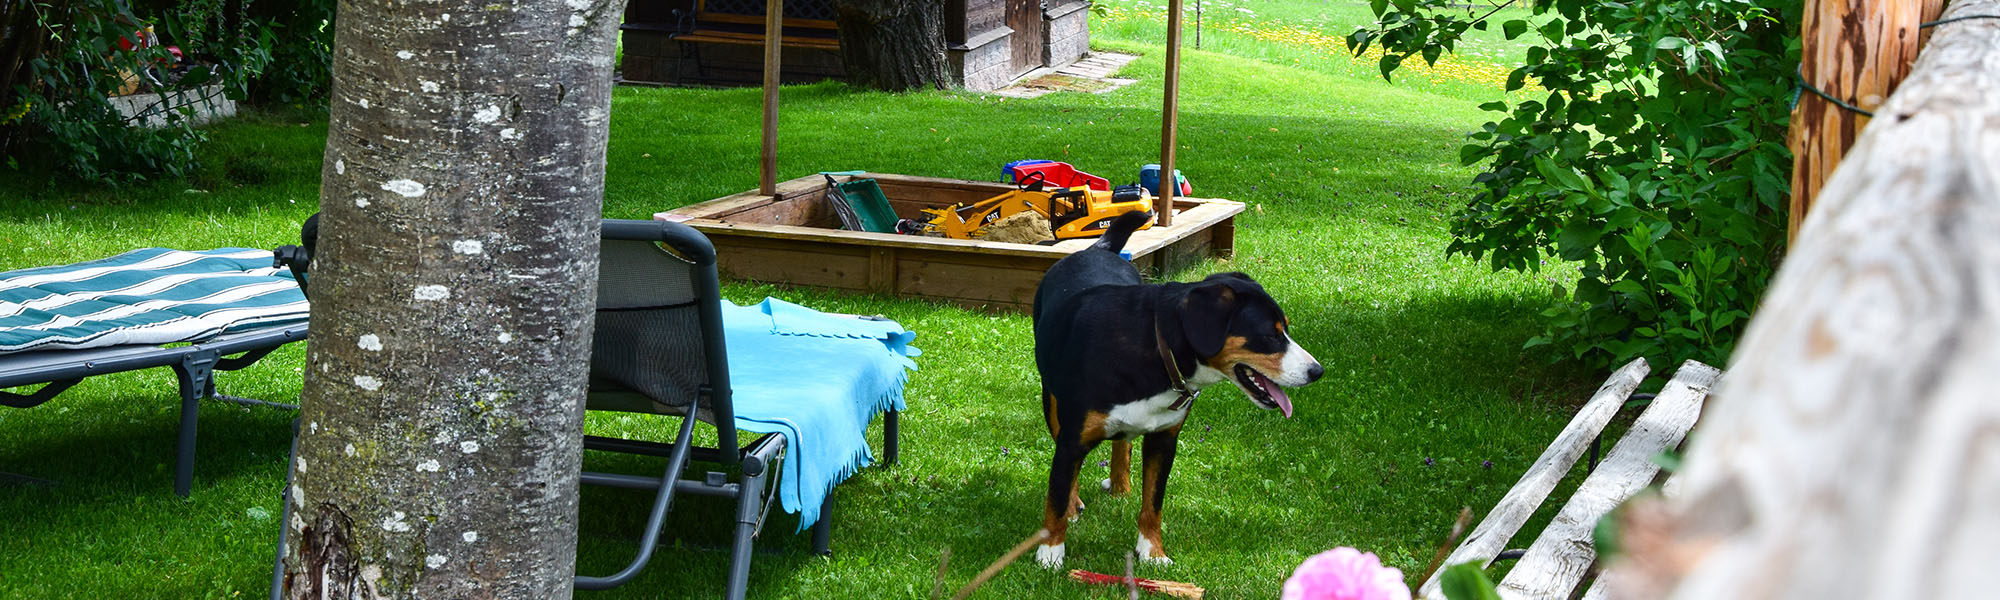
point(1173, 372)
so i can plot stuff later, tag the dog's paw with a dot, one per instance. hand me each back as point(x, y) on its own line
point(1049, 557)
point(1146, 550)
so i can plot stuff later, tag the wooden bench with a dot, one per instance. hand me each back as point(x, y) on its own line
point(1562, 557)
point(807, 24)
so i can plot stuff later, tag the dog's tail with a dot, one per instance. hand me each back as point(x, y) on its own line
point(1121, 230)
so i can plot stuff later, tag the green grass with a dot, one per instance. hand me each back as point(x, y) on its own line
point(1348, 180)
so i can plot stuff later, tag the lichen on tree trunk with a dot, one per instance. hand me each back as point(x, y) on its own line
point(894, 45)
point(439, 437)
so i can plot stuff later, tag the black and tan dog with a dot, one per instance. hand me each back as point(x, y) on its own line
point(1121, 359)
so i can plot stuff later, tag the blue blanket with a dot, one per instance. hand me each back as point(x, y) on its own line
point(147, 296)
point(818, 379)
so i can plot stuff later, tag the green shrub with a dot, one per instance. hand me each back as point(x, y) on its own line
point(301, 69)
point(66, 58)
point(1656, 161)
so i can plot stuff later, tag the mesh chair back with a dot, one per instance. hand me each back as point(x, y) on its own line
point(649, 336)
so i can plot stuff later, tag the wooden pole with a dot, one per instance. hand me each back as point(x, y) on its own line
point(1170, 113)
point(1853, 449)
point(1857, 51)
point(774, 33)
point(1006, 559)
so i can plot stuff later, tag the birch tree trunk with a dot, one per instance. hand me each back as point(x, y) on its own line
point(439, 441)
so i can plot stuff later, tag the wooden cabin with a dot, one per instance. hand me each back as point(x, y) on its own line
point(719, 42)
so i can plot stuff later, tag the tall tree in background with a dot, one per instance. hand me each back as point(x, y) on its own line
point(439, 440)
point(894, 45)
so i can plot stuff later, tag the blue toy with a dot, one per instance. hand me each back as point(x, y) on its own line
point(1149, 177)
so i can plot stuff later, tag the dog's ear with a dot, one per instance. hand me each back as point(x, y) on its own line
point(1205, 314)
point(1228, 275)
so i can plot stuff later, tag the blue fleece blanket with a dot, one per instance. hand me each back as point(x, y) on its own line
point(818, 379)
point(147, 296)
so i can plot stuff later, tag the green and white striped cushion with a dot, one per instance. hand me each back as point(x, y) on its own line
point(147, 296)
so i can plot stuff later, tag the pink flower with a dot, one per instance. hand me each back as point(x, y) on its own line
point(1345, 574)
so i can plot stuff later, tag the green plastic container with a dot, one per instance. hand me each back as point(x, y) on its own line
point(860, 203)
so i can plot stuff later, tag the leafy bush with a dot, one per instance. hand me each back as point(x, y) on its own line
point(1656, 161)
point(66, 58)
point(301, 69)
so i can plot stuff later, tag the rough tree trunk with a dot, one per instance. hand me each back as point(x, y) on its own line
point(452, 293)
point(894, 45)
point(1855, 50)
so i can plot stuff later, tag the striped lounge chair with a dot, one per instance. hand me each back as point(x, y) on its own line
point(194, 312)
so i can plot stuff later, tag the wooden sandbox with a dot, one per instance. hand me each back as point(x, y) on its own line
point(794, 238)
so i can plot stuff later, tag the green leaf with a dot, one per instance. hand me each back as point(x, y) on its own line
point(1578, 240)
point(1466, 581)
point(1513, 29)
point(1431, 54)
point(1561, 175)
point(1517, 79)
point(1378, 6)
point(1470, 153)
point(1553, 30)
point(1668, 459)
point(1388, 64)
point(1604, 537)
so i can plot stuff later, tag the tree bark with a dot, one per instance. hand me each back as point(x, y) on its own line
point(894, 45)
point(439, 438)
point(1856, 51)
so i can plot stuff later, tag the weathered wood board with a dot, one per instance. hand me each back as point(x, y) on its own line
point(1562, 555)
point(793, 238)
point(1491, 535)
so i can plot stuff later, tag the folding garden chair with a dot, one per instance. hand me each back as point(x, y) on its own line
point(662, 346)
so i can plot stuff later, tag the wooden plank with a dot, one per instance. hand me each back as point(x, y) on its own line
point(792, 265)
point(1223, 236)
point(1855, 451)
point(1562, 554)
point(790, 22)
point(803, 188)
point(1854, 50)
point(1598, 591)
point(1513, 510)
point(1191, 221)
point(968, 282)
point(882, 270)
point(714, 228)
point(756, 39)
point(802, 211)
point(944, 182)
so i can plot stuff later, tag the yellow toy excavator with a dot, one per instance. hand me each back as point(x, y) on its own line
point(1075, 212)
point(1098, 209)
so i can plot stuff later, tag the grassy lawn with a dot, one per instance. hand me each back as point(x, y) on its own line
point(1428, 403)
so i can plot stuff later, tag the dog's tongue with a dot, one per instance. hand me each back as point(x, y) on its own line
point(1277, 393)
